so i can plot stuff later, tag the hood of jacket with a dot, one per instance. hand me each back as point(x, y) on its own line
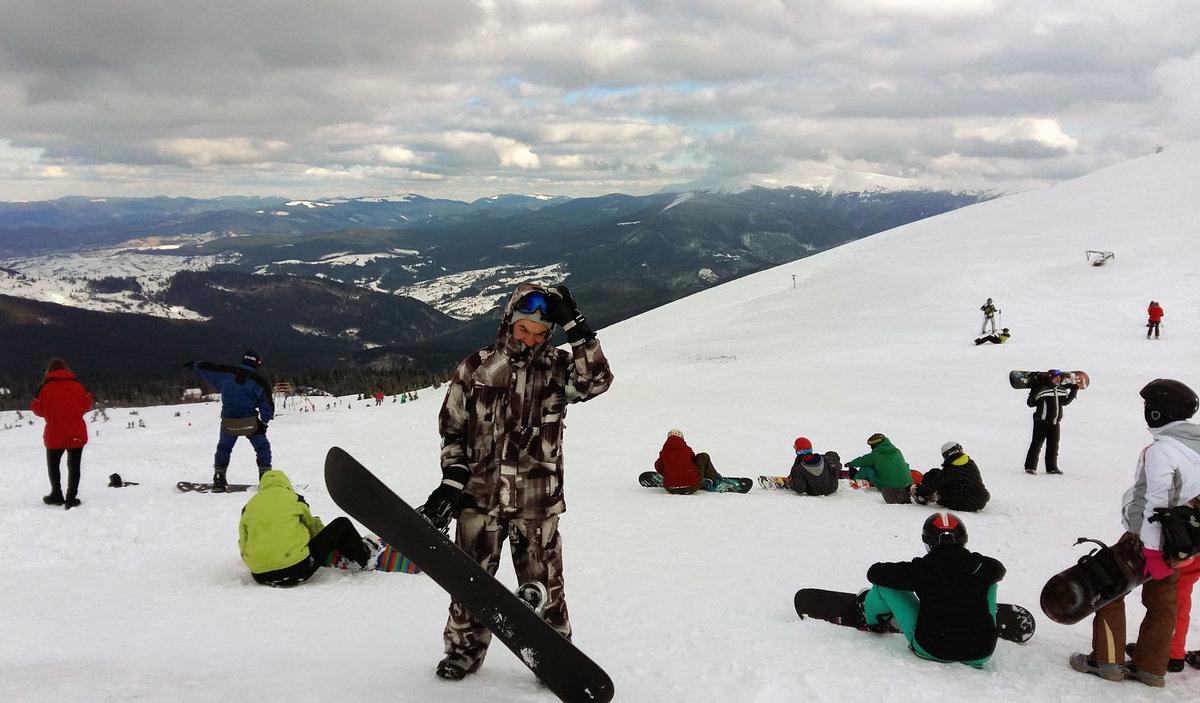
point(274, 479)
point(505, 341)
point(1182, 431)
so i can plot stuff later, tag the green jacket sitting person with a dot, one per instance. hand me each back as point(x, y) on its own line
point(283, 543)
point(884, 466)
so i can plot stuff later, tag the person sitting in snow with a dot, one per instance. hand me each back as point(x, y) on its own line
point(281, 541)
point(994, 338)
point(683, 471)
point(957, 485)
point(885, 468)
point(943, 602)
point(814, 474)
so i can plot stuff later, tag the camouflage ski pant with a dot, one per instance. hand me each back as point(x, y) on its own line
point(536, 548)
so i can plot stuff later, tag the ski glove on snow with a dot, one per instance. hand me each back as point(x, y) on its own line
point(446, 501)
point(1156, 567)
point(562, 310)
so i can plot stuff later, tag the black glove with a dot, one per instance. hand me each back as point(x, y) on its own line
point(262, 428)
point(562, 310)
point(189, 364)
point(446, 501)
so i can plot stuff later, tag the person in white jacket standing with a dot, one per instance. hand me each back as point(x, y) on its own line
point(1167, 474)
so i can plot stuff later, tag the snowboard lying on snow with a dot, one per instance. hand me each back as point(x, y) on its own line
point(653, 479)
point(1014, 623)
point(560, 665)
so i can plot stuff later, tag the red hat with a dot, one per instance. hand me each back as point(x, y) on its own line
point(802, 446)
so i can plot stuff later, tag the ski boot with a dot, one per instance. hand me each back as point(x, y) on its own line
point(220, 485)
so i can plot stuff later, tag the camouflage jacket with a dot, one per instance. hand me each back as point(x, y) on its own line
point(503, 418)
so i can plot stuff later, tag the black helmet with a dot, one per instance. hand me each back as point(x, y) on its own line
point(1168, 400)
point(943, 530)
point(875, 439)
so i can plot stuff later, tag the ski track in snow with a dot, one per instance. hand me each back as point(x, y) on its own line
point(139, 594)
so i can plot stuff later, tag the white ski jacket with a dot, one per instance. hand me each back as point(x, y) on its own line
point(1167, 474)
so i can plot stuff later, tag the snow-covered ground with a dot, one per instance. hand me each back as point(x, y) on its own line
point(140, 594)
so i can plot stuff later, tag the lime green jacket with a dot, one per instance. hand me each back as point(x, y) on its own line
point(276, 526)
point(890, 467)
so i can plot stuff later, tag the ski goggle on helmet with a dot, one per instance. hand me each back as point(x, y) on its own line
point(531, 303)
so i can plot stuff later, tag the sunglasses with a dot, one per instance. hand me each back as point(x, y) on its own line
point(533, 302)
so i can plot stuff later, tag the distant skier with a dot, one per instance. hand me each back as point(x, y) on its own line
point(1167, 474)
point(989, 316)
point(957, 485)
point(994, 338)
point(943, 602)
point(885, 467)
point(1155, 313)
point(1048, 400)
point(246, 408)
point(814, 474)
point(683, 470)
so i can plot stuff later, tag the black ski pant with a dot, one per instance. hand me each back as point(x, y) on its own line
point(338, 535)
point(1151, 327)
point(53, 460)
point(1043, 432)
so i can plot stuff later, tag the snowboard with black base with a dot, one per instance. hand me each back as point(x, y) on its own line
point(653, 479)
point(558, 663)
point(1013, 623)
point(189, 487)
point(1097, 579)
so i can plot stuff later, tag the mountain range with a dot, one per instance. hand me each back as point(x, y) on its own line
point(323, 282)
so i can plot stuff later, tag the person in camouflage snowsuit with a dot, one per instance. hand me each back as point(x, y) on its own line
point(502, 462)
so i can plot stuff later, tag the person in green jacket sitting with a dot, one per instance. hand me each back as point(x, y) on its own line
point(884, 466)
point(283, 543)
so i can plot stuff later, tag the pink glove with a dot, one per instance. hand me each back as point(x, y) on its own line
point(1155, 566)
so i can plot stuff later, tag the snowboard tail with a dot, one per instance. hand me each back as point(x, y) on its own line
point(388, 559)
point(1013, 623)
point(1100, 577)
point(561, 666)
point(653, 479)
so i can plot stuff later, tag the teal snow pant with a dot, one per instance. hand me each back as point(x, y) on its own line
point(903, 607)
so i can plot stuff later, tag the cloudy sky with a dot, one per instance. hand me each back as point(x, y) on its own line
point(468, 98)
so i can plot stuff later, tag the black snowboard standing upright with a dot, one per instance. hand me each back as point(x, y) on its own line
point(565, 670)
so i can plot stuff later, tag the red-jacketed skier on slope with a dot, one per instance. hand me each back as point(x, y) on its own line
point(502, 462)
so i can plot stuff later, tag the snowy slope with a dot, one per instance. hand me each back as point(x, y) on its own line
point(140, 593)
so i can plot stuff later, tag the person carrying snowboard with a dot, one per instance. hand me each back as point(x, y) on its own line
point(885, 468)
point(684, 471)
point(1047, 398)
point(989, 316)
point(502, 463)
point(814, 474)
point(1167, 474)
point(1155, 313)
point(994, 338)
point(62, 401)
point(944, 602)
point(957, 485)
point(281, 541)
point(246, 408)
